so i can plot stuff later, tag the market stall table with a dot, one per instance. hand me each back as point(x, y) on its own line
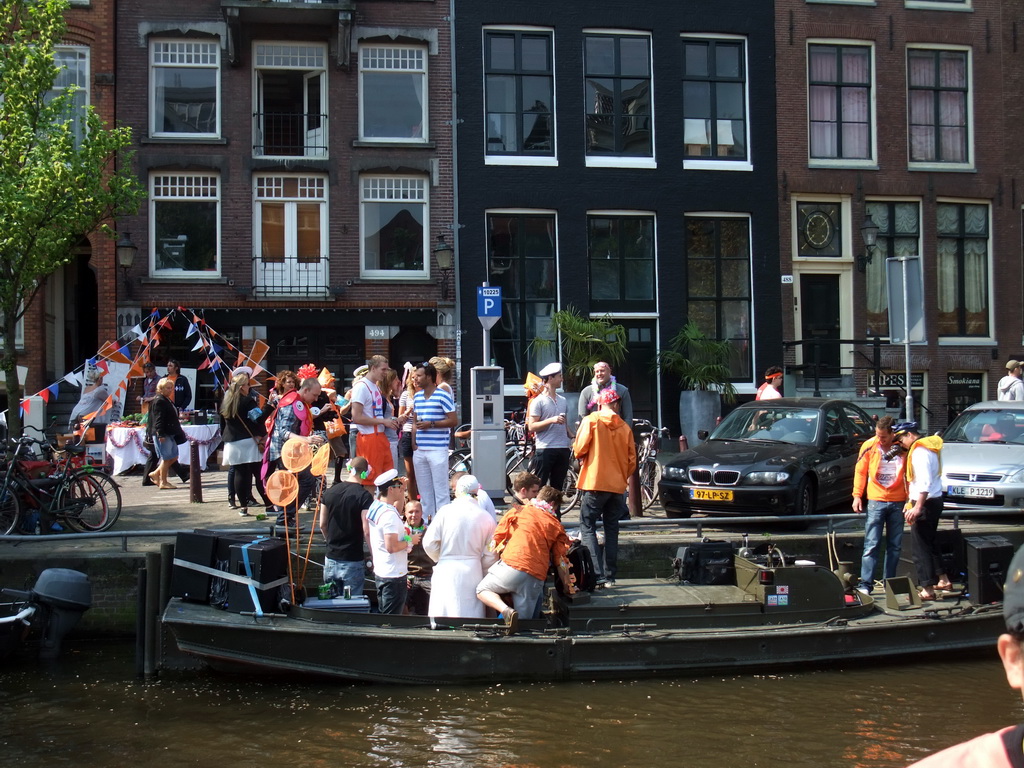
point(125, 447)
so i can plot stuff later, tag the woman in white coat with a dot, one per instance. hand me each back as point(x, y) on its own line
point(457, 540)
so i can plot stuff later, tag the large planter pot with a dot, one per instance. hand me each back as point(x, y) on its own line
point(698, 409)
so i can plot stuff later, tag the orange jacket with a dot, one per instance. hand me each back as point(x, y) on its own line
point(604, 446)
point(865, 475)
point(530, 539)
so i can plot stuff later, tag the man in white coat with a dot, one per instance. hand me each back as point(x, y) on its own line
point(457, 540)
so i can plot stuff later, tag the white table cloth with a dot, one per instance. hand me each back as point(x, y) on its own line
point(125, 447)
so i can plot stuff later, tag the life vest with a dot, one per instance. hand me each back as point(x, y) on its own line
point(933, 444)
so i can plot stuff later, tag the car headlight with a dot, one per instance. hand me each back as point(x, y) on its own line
point(765, 478)
point(1016, 477)
point(674, 473)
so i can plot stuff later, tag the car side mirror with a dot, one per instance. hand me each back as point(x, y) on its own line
point(702, 434)
point(836, 439)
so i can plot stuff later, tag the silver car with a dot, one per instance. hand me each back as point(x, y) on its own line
point(983, 457)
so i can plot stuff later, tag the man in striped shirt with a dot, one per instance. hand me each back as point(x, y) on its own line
point(435, 416)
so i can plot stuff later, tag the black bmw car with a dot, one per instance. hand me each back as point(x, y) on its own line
point(789, 456)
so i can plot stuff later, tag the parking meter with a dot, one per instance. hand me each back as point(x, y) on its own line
point(487, 418)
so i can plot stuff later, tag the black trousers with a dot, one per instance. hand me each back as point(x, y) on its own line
point(551, 465)
point(927, 556)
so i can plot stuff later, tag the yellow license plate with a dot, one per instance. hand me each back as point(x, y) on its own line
point(707, 494)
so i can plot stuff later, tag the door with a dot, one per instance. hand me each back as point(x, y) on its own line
point(636, 371)
point(820, 322)
point(315, 114)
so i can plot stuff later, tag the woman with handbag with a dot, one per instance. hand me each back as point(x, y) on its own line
point(243, 431)
point(165, 431)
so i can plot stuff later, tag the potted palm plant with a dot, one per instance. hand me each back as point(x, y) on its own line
point(701, 365)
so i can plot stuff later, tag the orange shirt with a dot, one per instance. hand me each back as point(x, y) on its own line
point(883, 480)
point(533, 539)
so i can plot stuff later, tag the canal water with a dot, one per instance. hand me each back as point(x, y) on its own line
point(89, 709)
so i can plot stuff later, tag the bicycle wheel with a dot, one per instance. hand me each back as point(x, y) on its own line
point(82, 503)
point(10, 509)
point(459, 460)
point(517, 459)
point(650, 475)
point(570, 493)
point(112, 492)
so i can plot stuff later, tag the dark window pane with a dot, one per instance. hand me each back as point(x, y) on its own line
point(634, 57)
point(727, 60)
point(697, 100)
point(535, 54)
point(503, 52)
point(696, 59)
point(601, 55)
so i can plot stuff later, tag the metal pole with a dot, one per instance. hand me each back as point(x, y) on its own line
point(487, 338)
point(906, 343)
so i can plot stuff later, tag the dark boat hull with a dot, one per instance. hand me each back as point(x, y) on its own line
point(406, 650)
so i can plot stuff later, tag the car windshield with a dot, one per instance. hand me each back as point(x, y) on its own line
point(987, 426)
point(786, 425)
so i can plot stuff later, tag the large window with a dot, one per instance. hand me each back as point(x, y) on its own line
point(618, 95)
point(839, 95)
point(899, 234)
point(520, 93)
point(290, 219)
point(73, 62)
point(939, 88)
point(963, 269)
point(290, 118)
point(718, 283)
point(714, 99)
point(621, 250)
point(184, 88)
point(521, 252)
point(392, 93)
point(185, 223)
point(394, 226)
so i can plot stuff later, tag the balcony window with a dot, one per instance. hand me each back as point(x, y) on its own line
point(394, 226)
point(291, 236)
point(392, 88)
point(185, 224)
point(290, 119)
point(184, 88)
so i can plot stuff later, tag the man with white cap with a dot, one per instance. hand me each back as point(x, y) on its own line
point(457, 541)
point(1003, 748)
point(389, 544)
point(547, 419)
point(1011, 387)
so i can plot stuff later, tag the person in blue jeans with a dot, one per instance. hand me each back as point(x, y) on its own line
point(880, 476)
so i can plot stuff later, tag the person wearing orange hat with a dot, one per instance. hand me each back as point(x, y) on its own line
point(771, 389)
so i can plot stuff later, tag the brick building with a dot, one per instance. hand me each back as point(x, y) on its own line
point(906, 112)
point(297, 157)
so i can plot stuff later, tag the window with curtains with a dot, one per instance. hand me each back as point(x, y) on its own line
point(392, 84)
point(394, 226)
point(521, 252)
point(519, 92)
point(938, 94)
point(839, 96)
point(621, 250)
point(899, 234)
point(718, 283)
point(714, 99)
point(184, 223)
point(963, 269)
point(184, 88)
point(618, 95)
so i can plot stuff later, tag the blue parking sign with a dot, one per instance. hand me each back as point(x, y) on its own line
point(488, 305)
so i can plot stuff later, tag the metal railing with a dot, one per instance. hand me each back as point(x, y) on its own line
point(291, 276)
point(290, 134)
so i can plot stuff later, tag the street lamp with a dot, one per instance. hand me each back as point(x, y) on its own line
point(869, 233)
point(444, 254)
point(126, 251)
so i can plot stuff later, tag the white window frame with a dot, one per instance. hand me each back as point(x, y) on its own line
point(957, 6)
point(185, 49)
point(83, 52)
point(312, 188)
point(377, 188)
point(396, 59)
point(931, 166)
point(206, 180)
point(711, 164)
point(301, 56)
point(625, 161)
point(525, 160)
point(838, 162)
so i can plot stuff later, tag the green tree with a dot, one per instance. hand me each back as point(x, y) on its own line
point(54, 189)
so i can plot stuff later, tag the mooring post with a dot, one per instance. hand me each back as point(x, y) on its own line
point(195, 474)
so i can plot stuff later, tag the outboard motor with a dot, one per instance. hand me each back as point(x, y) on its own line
point(64, 596)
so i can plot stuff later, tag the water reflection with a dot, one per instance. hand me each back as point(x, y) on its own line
point(90, 710)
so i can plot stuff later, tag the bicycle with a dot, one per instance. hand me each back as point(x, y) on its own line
point(65, 496)
point(647, 459)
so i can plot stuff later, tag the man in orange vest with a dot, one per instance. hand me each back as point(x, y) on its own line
point(880, 474)
point(1003, 748)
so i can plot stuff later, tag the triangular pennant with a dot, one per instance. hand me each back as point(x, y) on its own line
point(203, 365)
point(199, 344)
point(191, 330)
point(26, 406)
point(53, 389)
point(45, 394)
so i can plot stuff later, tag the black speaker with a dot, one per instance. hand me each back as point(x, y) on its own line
point(988, 558)
point(706, 562)
point(264, 561)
